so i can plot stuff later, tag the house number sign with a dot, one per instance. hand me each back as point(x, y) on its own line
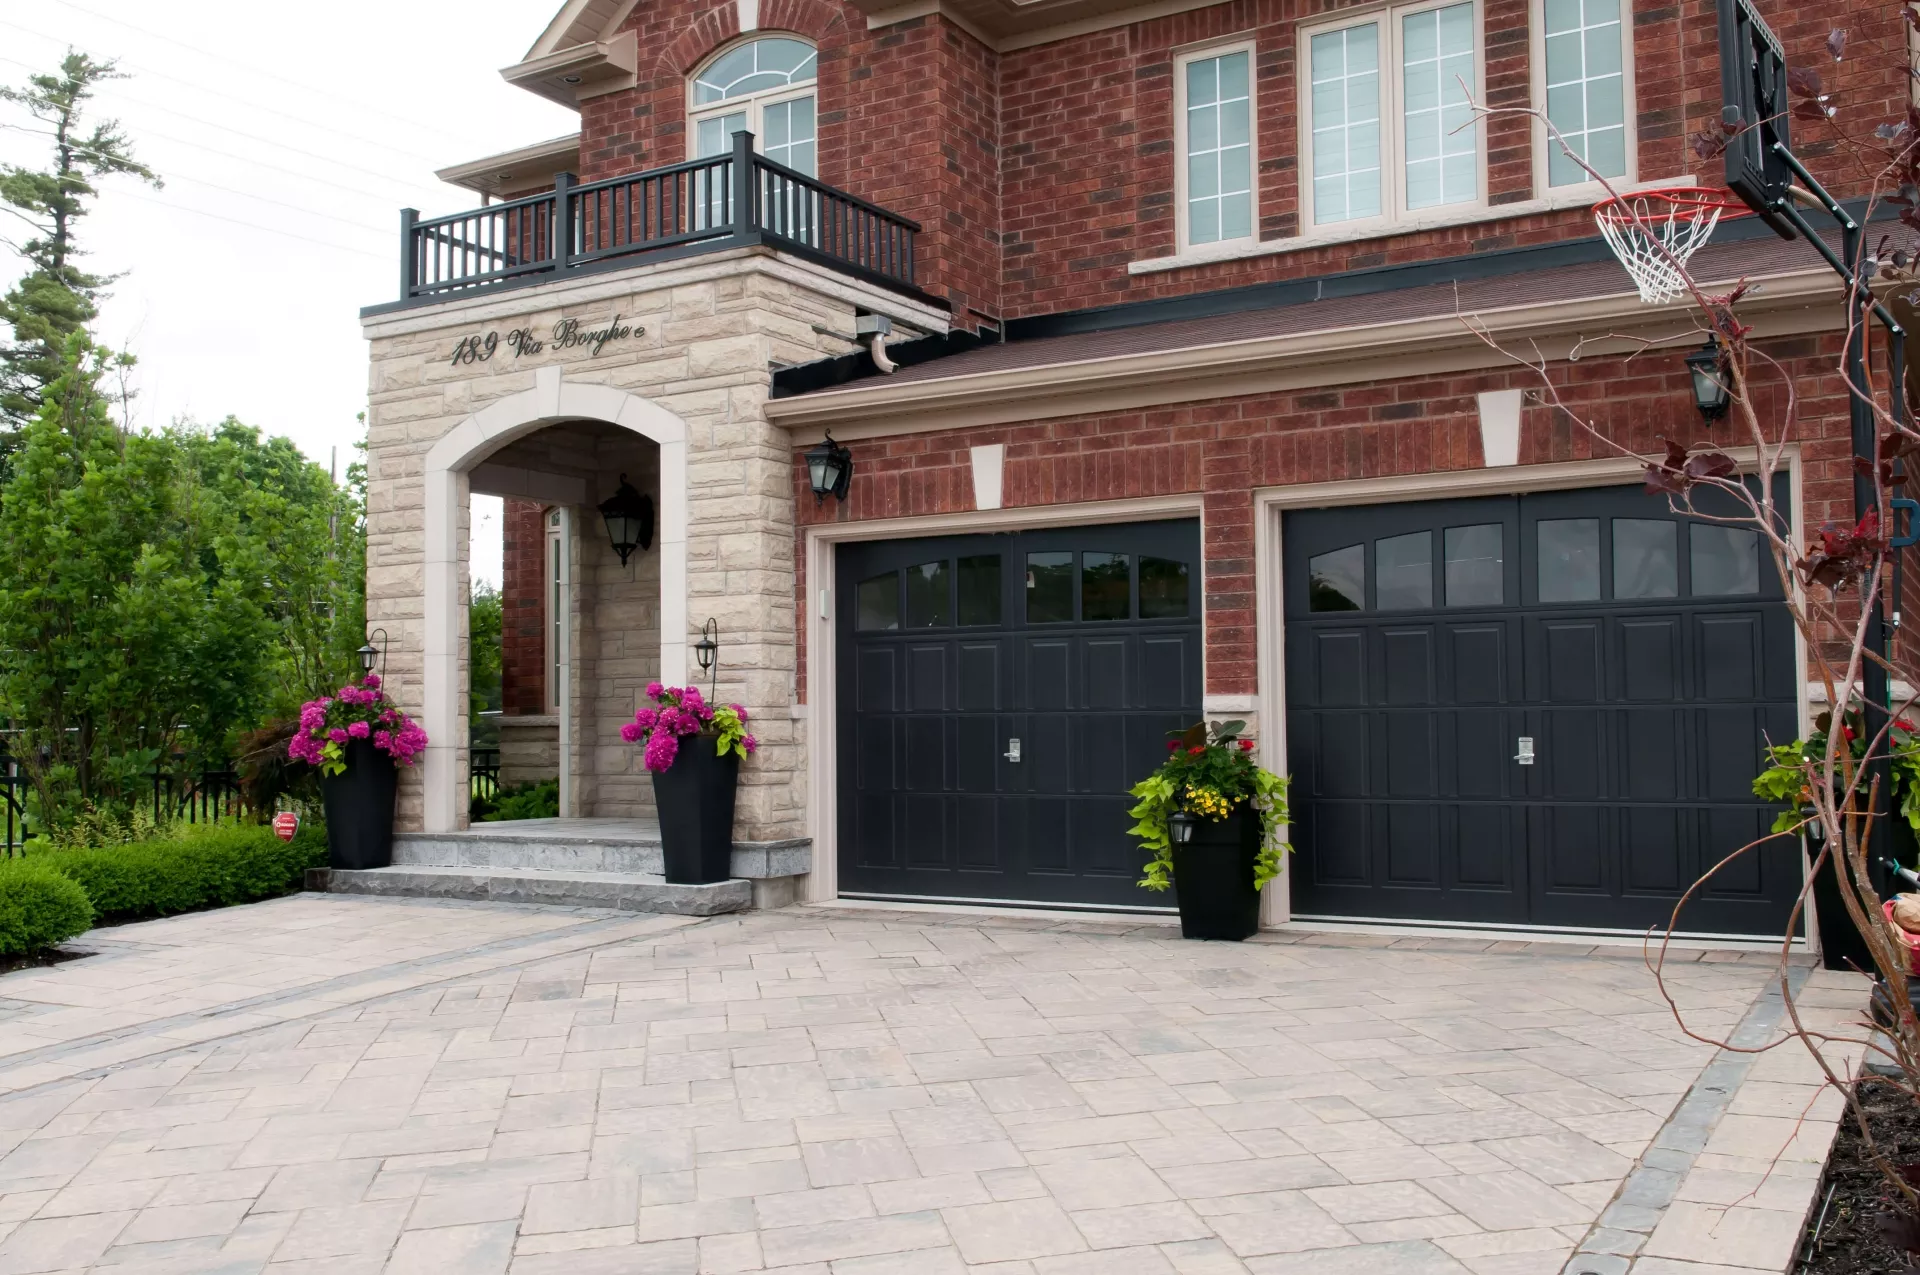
point(567, 334)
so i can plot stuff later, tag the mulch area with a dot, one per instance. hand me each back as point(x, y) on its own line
point(1857, 1228)
point(53, 956)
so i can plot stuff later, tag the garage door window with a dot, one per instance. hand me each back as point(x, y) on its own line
point(1646, 563)
point(1337, 581)
point(1725, 560)
point(1569, 559)
point(1403, 571)
point(1163, 589)
point(879, 602)
point(1049, 588)
point(980, 589)
point(1476, 566)
point(929, 596)
point(1105, 586)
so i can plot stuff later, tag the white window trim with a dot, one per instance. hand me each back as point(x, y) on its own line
point(1392, 121)
point(1341, 232)
point(1587, 191)
point(552, 601)
point(755, 103)
point(1201, 53)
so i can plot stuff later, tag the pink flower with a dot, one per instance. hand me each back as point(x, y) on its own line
point(751, 744)
point(632, 731)
point(383, 740)
point(646, 718)
point(371, 681)
point(654, 689)
point(662, 747)
point(337, 735)
point(739, 712)
point(358, 730)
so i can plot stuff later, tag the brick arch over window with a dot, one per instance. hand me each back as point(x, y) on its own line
point(811, 20)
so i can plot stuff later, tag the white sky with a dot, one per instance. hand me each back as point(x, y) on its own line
point(289, 139)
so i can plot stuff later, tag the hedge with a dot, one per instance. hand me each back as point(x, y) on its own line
point(209, 866)
point(39, 907)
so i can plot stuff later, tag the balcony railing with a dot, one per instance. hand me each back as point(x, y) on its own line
point(698, 206)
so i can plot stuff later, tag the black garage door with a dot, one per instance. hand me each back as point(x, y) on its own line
point(1643, 656)
point(999, 695)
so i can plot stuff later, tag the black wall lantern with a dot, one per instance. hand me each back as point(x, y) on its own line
point(1180, 827)
point(629, 518)
point(707, 652)
point(829, 469)
point(1709, 381)
point(370, 654)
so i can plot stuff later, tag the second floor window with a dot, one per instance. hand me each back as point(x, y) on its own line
point(764, 87)
point(1584, 71)
point(1390, 127)
point(1216, 145)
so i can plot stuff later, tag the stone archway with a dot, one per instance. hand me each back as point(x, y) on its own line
point(552, 400)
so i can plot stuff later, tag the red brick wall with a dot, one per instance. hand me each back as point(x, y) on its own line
point(1039, 174)
point(1226, 448)
point(523, 635)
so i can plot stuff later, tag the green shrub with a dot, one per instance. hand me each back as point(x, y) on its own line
point(204, 867)
point(38, 908)
point(522, 801)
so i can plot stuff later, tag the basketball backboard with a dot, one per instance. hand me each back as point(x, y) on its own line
point(1753, 97)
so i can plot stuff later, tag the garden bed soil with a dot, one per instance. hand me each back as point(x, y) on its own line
point(53, 956)
point(1846, 1231)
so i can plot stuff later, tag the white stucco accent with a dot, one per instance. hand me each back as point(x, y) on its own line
point(551, 400)
point(749, 14)
point(1500, 426)
point(989, 462)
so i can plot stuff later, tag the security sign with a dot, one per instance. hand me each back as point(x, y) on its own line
point(285, 824)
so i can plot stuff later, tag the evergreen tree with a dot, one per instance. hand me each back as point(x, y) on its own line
point(56, 298)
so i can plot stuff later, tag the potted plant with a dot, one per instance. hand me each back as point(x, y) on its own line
point(1842, 946)
point(1211, 818)
point(358, 739)
point(693, 750)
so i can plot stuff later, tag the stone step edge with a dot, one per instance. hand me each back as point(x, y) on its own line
point(622, 891)
point(752, 860)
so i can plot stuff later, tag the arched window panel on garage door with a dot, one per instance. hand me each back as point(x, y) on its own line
point(998, 695)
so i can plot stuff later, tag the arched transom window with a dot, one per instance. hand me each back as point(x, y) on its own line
point(764, 87)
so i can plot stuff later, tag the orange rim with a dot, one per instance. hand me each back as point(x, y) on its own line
point(1678, 198)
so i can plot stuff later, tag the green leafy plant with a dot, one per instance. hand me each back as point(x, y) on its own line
point(205, 866)
point(1791, 767)
point(533, 800)
point(39, 907)
point(1209, 773)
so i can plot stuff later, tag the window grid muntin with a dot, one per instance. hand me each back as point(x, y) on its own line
point(1607, 89)
point(756, 60)
point(1217, 135)
point(1352, 87)
point(1440, 141)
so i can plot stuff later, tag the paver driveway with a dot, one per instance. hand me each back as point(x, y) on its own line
point(830, 1091)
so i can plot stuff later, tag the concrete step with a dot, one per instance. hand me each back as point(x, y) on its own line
point(580, 845)
point(627, 891)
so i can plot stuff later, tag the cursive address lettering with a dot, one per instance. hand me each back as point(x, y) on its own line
point(567, 334)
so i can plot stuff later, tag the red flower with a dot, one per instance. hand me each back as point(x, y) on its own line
point(1173, 745)
point(1846, 733)
point(1196, 750)
point(1903, 724)
point(1246, 745)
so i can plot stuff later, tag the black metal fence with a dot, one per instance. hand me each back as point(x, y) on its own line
point(212, 795)
point(701, 205)
point(13, 785)
point(486, 773)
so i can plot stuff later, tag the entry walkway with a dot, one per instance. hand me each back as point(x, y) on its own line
point(816, 1092)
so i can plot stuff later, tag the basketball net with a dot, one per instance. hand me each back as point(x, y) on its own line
point(1655, 232)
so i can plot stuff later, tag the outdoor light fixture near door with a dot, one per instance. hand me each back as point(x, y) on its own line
point(829, 470)
point(1180, 826)
point(370, 654)
point(629, 518)
point(707, 651)
point(1708, 370)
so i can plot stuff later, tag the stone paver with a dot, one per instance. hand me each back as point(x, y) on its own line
point(832, 1092)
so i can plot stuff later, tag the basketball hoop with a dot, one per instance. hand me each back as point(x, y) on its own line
point(1654, 232)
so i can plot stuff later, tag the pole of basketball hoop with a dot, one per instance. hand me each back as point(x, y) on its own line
point(1876, 703)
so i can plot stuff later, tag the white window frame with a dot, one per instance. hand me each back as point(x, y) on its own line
point(553, 603)
point(1543, 142)
point(756, 103)
point(1201, 53)
point(1393, 155)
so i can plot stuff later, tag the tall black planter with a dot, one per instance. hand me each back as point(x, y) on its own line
point(359, 804)
point(695, 796)
point(1213, 875)
point(1841, 944)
